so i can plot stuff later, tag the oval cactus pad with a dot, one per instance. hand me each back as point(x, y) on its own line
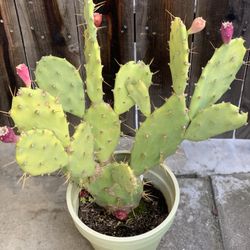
point(62, 80)
point(39, 152)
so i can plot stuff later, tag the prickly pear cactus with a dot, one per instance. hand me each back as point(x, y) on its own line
point(87, 158)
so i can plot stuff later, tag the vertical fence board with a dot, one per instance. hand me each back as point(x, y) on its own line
point(11, 54)
point(152, 36)
point(49, 27)
point(239, 10)
point(123, 41)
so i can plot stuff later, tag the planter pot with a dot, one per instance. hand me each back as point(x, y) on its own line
point(164, 180)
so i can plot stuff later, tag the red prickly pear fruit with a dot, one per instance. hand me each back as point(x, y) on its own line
point(198, 25)
point(7, 135)
point(121, 215)
point(97, 19)
point(23, 72)
point(83, 193)
point(227, 31)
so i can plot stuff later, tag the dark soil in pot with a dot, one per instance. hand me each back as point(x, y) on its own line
point(148, 215)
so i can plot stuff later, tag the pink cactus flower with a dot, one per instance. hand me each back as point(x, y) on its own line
point(23, 72)
point(7, 135)
point(97, 19)
point(227, 31)
point(121, 215)
point(198, 25)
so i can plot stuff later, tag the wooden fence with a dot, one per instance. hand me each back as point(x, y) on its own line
point(30, 29)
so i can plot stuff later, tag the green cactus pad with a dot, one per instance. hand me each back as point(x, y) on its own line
point(62, 80)
point(159, 136)
point(105, 127)
point(93, 64)
point(81, 155)
point(215, 120)
point(39, 152)
point(115, 187)
point(217, 75)
point(179, 53)
point(131, 72)
point(35, 108)
point(139, 93)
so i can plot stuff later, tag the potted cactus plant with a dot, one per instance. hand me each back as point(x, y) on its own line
point(88, 158)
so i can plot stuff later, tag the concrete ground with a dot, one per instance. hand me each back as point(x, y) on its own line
point(214, 211)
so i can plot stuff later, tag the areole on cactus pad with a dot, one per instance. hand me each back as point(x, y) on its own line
point(87, 158)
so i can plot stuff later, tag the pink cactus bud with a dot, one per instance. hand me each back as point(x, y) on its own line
point(23, 72)
point(7, 135)
point(97, 19)
point(227, 31)
point(121, 215)
point(198, 25)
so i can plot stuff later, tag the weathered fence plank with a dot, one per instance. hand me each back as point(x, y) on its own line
point(152, 28)
point(239, 11)
point(11, 54)
point(152, 35)
point(49, 27)
point(123, 44)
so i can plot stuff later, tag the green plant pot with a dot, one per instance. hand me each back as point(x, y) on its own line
point(164, 180)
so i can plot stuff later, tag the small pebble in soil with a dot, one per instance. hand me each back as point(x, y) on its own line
point(148, 215)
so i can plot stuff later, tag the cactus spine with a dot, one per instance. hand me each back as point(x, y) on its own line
point(87, 157)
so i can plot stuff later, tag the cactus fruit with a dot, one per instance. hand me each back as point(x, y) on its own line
point(227, 31)
point(87, 157)
point(51, 72)
point(7, 135)
point(97, 19)
point(23, 72)
point(198, 25)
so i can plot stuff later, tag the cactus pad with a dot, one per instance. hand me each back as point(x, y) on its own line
point(131, 72)
point(62, 80)
point(215, 120)
point(105, 127)
point(93, 64)
point(179, 53)
point(115, 187)
point(159, 136)
point(81, 155)
point(139, 93)
point(217, 75)
point(39, 152)
point(37, 109)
